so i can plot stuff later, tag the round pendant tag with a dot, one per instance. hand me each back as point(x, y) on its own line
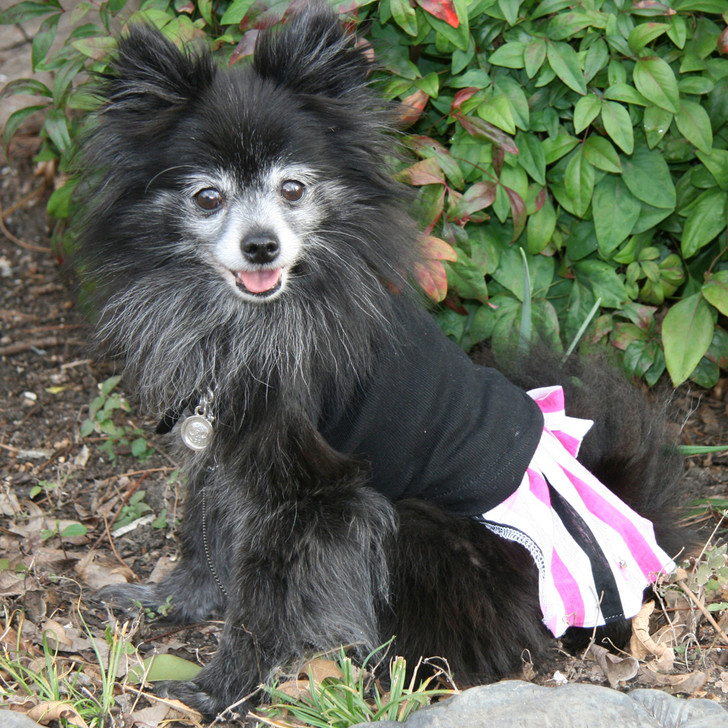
point(196, 432)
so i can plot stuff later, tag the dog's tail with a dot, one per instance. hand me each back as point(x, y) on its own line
point(631, 447)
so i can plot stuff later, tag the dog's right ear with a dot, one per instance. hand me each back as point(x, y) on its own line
point(150, 80)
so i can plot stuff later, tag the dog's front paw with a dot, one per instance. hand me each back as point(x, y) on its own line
point(194, 696)
point(133, 598)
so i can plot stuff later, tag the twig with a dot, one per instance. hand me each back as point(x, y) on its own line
point(113, 548)
point(22, 346)
point(129, 493)
point(689, 592)
point(55, 327)
point(55, 454)
point(18, 241)
point(27, 198)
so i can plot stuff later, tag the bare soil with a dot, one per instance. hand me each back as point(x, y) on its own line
point(53, 478)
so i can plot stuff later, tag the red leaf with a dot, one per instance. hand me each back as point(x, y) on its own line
point(412, 107)
point(660, 8)
point(442, 9)
point(480, 195)
point(417, 141)
point(424, 172)
point(518, 211)
point(433, 248)
point(462, 96)
point(540, 199)
point(432, 278)
point(723, 42)
point(476, 197)
point(481, 129)
point(244, 47)
point(452, 301)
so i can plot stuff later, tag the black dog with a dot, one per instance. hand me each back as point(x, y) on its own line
point(244, 240)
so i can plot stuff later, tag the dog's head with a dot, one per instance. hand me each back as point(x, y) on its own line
point(270, 174)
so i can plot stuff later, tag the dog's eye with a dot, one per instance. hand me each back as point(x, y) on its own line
point(291, 190)
point(208, 199)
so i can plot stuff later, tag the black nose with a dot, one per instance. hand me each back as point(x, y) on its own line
point(260, 248)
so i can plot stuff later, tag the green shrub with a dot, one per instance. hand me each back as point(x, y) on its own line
point(592, 136)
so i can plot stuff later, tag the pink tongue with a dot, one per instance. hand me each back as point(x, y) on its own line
point(259, 281)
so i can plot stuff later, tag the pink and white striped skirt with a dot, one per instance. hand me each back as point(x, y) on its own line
point(594, 554)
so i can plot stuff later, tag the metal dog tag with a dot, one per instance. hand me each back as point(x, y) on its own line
point(196, 432)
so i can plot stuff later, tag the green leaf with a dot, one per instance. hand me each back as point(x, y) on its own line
point(513, 92)
point(596, 58)
point(467, 278)
point(655, 80)
point(87, 427)
point(531, 156)
point(547, 7)
point(565, 64)
point(557, 147)
point(694, 124)
point(235, 12)
point(564, 25)
point(625, 93)
point(618, 125)
point(109, 384)
point(706, 220)
point(717, 164)
point(687, 331)
point(700, 6)
point(20, 12)
point(715, 290)
point(586, 110)
point(164, 667)
point(509, 8)
point(97, 48)
point(460, 36)
point(695, 85)
point(642, 34)
point(648, 177)
point(600, 152)
point(43, 40)
point(16, 119)
point(540, 228)
point(656, 122)
point(678, 30)
point(534, 54)
point(74, 529)
point(30, 86)
point(64, 78)
point(497, 111)
point(509, 55)
point(579, 182)
point(404, 15)
point(615, 212)
point(56, 126)
point(602, 280)
point(59, 202)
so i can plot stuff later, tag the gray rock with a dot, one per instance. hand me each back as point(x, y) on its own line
point(11, 719)
point(516, 704)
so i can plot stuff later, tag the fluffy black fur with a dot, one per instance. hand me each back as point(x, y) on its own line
point(309, 553)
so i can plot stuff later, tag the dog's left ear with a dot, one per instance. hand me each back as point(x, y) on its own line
point(312, 55)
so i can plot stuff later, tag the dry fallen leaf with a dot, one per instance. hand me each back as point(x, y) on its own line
point(688, 683)
point(49, 711)
point(319, 669)
point(98, 571)
point(615, 668)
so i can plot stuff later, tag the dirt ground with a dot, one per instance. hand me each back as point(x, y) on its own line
point(62, 495)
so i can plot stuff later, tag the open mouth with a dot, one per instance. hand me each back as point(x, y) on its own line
point(261, 283)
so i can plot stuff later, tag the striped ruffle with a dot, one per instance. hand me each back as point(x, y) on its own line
point(594, 554)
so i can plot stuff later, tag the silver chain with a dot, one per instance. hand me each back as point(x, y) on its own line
point(205, 543)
